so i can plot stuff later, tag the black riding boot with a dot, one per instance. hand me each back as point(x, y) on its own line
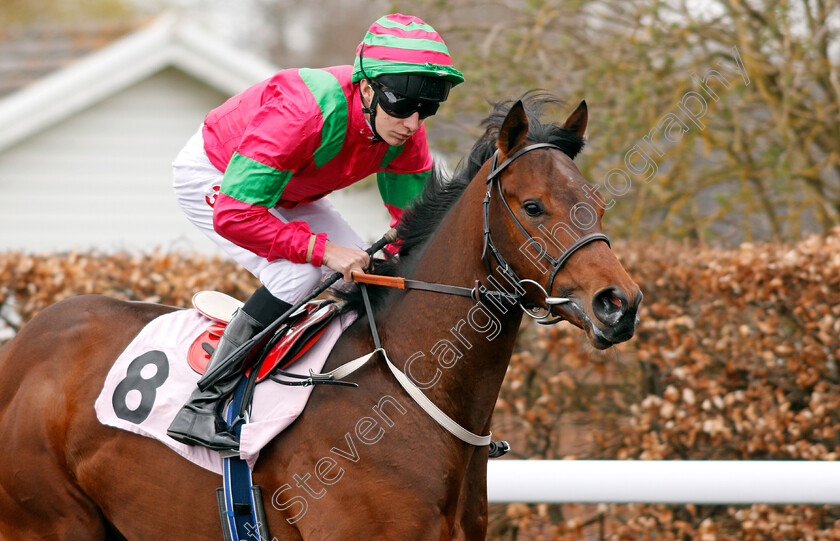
point(200, 422)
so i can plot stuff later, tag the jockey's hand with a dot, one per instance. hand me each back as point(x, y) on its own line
point(345, 260)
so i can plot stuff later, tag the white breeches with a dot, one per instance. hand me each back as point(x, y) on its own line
point(196, 182)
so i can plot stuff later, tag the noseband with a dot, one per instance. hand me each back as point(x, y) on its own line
point(480, 292)
point(475, 293)
point(489, 249)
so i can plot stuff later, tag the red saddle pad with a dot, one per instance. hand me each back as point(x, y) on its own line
point(305, 329)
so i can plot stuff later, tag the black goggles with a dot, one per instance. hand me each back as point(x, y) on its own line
point(399, 106)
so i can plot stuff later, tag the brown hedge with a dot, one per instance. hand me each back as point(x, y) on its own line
point(737, 357)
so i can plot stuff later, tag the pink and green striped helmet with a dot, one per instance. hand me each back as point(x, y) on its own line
point(402, 44)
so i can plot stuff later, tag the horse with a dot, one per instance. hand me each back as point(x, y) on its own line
point(516, 224)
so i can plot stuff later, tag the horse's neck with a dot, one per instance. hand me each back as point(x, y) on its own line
point(458, 350)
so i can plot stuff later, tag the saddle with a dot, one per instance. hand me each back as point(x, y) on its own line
point(239, 500)
point(300, 331)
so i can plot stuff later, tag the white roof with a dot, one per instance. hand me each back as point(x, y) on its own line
point(166, 42)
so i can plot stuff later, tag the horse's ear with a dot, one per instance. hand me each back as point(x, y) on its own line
point(576, 123)
point(514, 129)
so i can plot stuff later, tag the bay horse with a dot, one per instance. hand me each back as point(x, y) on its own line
point(359, 463)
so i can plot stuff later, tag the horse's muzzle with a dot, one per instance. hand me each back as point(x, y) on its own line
point(616, 317)
point(617, 313)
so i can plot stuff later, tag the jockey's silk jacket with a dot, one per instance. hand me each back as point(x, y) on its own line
point(293, 139)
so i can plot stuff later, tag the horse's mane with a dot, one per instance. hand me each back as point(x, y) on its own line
point(440, 193)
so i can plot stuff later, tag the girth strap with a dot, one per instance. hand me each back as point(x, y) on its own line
point(240, 501)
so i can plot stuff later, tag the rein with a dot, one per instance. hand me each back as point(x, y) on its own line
point(405, 382)
point(479, 292)
point(476, 293)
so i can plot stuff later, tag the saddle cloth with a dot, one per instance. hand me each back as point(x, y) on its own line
point(305, 327)
point(151, 380)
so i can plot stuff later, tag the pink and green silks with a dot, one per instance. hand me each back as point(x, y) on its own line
point(295, 138)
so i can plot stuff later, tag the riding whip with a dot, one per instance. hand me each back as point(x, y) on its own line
point(210, 378)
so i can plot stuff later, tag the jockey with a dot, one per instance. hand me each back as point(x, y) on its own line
point(254, 176)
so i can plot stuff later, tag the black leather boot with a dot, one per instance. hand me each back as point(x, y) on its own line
point(200, 422)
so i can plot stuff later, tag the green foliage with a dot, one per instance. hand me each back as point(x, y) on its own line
point(765, 163)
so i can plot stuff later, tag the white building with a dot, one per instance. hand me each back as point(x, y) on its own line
point(85, 151)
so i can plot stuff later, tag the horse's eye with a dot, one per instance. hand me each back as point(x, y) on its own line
point(533, 208)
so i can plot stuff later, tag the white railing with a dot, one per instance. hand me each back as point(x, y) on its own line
point(664, 481)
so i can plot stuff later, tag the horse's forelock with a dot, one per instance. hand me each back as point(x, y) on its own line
point(538, 130)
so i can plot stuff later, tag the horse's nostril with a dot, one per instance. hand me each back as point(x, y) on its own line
point(609, 305)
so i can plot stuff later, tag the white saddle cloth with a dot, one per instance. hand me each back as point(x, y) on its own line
point(143, 391)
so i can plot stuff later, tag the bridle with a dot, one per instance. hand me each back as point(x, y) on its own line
point(489, 249)
point(477, 293)
point(480, 293)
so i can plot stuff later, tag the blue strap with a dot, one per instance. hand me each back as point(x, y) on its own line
point(239, 502)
